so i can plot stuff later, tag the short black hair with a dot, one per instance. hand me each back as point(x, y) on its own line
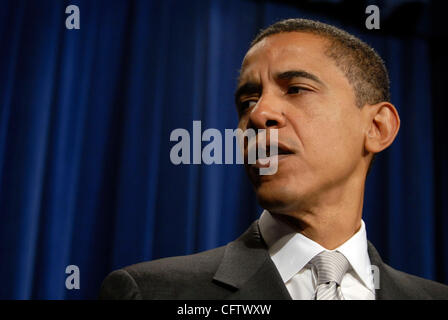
point(361, 64)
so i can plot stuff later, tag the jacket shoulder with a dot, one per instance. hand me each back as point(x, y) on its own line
point(180, 277)
point(395, 284)
point(415, 287)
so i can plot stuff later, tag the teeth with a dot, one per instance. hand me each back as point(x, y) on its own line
point(270, 153)
point(266, 160)
point(265, 156)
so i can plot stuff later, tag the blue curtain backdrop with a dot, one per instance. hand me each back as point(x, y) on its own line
point(86, 116)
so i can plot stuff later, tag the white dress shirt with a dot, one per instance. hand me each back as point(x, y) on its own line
point(291, 253)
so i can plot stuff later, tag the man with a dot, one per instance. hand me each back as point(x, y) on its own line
point(327, 94)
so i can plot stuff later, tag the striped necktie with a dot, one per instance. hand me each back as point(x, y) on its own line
point(331, 267)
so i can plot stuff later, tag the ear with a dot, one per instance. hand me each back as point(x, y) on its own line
point(383, 125)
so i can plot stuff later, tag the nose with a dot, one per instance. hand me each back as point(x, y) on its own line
point(267, 113)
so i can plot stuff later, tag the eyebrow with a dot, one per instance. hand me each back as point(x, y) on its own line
point(287, 75)
point(253, 87)
point(246, 89)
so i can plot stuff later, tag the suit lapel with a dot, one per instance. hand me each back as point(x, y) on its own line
point(247, 268)
point(387, 289)
point(248, 271)
point(392, 285)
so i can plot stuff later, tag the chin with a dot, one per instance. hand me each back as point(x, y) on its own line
point(281, 192)
point(276, 198)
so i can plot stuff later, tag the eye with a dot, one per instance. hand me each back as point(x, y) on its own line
point(294, 90)
point(247, 104)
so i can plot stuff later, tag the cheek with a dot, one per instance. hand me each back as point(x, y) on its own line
point(242, 122)
point(332, 140)
point(242, 125)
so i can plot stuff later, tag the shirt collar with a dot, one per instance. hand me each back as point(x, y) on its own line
point(291, 251)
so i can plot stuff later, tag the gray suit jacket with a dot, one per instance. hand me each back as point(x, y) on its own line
point(242, 269)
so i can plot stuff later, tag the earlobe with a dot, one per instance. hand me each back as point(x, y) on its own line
point(383, 127)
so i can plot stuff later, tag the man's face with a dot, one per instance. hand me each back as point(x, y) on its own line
point(288, 83)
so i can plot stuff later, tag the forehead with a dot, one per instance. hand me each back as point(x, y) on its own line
point(288, 51)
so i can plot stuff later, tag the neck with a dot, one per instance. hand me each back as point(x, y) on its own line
point(332, 218)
